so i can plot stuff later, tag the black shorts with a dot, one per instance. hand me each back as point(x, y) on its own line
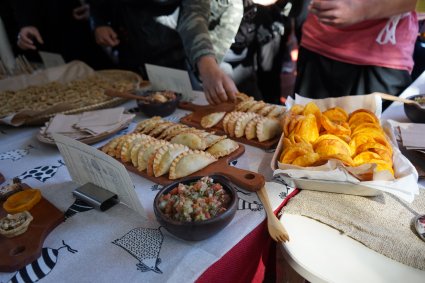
point(321, 77)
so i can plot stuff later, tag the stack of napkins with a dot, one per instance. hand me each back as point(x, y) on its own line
point(88, 124)
point(413, 136)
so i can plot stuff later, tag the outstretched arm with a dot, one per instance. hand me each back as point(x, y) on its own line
point(348, 12)
point(193, 29)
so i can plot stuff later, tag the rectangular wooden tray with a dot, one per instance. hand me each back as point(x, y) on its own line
point(199, 111)
point(23, 249)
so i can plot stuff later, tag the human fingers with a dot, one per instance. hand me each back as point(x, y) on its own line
point(207, 96)
point(230, 89)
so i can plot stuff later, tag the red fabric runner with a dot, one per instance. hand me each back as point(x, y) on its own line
point(248, 260)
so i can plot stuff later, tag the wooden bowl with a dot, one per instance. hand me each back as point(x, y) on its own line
point(415, 113)
point(198, 230)
point(162, 109)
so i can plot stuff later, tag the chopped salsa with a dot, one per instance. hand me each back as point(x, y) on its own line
point(197, 201)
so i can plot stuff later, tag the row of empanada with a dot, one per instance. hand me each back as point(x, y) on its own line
point(249, 106)
point(251, 126)
point(261, 108)
point(193, 138)
point(158, 157)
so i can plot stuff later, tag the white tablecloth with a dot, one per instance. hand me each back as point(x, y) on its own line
point(117, 245)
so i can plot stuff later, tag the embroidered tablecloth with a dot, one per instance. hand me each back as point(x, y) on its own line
point(117, 244)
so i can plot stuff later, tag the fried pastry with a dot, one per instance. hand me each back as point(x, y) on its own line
point(142, 125)
point(126, 147)
point(143, 156)
point(223, 148)
point(159, 128)
point(170, 130)
point(138, 150)
point(212, 139)
point(266, 109)
point(242, 105)
point(212, 119)
point(231, 124)
point(192, 140)
point(164, 156)
point(251, 128)
point(189, 162)
point(257, 106)
point(267, 128)
point(277, 111)
point(241, 124)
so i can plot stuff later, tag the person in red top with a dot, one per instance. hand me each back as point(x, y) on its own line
point(351, 47)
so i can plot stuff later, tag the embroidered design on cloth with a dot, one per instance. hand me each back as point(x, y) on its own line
point(287, 190)
point(251, 205)
point(42, 173)
point(144, 244)
point(15, 154)
point(76, 207)
point(40, 267)
point(233, 163)
point(156, 187)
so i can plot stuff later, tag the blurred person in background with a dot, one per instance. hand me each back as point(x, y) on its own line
point(351, 47)
point(58, 26)
point(165, 33)
point(254, 60)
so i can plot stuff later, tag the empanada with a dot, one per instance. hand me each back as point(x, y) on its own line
point(170, 129)
point(243, 104)
point(242, 122)
point(118, 148)
point(266, 109)
point(232, 123)
point(139, 149)
point(251, 128)
point(190, 139)
point(164, 156)
point(142, 125)
point(143, 157)
point(257, 106)
point(159, 128)
point(212, 119)
point(267, 128)
point(223, 148)
point(189, 162)
point(109, 148)
point(127, 145)
point(277, 111)
point(211, 139)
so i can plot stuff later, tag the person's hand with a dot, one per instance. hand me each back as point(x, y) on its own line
point(106, 36)
point(339, 12)
point(81, 13)
point(218, 87)
point(26, 38)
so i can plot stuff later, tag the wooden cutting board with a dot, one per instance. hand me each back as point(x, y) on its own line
point(244, 179)
point(199, 111)
point(23, 249)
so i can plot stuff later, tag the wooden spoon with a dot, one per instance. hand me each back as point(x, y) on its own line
point(126, 95)
point(276, 229)
point(399, 99)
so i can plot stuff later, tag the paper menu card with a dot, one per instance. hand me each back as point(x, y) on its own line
point(162, 78)
point(51, 59)
point(412, 135)
point(87, 164)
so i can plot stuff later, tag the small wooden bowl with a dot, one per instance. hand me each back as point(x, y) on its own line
point(198, 230)
point(415, 113)
point(157, 108)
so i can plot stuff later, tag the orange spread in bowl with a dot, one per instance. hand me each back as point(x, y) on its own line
point(22, 201)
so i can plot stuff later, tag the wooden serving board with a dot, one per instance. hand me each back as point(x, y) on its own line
point(23, 249)
point(244, 179)
point(199, 111)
